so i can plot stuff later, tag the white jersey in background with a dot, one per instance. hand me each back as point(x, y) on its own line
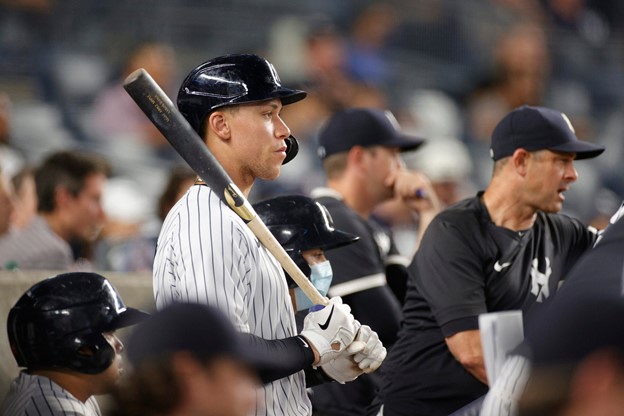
point(39, 396)
point(206, 254)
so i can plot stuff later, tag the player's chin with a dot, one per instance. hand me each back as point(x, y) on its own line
point(271, 172)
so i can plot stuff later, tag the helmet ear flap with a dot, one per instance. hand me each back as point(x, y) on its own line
point(93, 356)
point(292, 148)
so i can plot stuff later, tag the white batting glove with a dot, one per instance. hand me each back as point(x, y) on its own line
point(343, 368)
point(330, 330)
point(368, 351)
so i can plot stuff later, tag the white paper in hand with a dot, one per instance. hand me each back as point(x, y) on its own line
point(501, 333)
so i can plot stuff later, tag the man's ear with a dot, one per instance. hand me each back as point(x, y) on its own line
point(520, 160)
point(218, 122)
point(355, 156)
point(62, 196)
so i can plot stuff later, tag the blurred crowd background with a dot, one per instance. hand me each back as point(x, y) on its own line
point(448, 69)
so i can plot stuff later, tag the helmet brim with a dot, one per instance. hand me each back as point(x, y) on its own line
point(129, 317)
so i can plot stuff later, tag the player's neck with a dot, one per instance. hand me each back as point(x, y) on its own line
point(55, 223)
point(506, 208)
point(353, 196)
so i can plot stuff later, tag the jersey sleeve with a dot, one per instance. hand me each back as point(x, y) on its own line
point(448, 274)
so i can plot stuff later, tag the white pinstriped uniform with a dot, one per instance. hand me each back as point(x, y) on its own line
point(206, 254)
point(39, 396)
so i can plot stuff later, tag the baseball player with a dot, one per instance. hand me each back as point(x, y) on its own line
point(507, 248)
point(206, 254)
point(62, 330)
point(360, 151)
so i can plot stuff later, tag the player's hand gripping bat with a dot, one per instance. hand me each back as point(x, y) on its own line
point(168, 119)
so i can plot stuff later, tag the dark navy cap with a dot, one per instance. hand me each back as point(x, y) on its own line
point(363, 127)
point(538, 128)
point(201, 330)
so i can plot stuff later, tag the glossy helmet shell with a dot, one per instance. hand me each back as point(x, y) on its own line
point(232, 80)
point(299, 224)
point(58, 319)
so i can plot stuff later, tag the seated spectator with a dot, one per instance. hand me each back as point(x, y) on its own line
point(7, 205)
point(25, 198)
point(189, 360)
point(69, 188)
point(117, 117)
point(62, 330)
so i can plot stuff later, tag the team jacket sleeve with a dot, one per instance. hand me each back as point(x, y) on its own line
point(449, 275)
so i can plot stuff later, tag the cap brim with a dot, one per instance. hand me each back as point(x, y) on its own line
point(582, 149)
point(405, 142)
point(129, 317)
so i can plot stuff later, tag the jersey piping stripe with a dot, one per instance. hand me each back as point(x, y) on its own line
point(358, 285)
point(397, 259)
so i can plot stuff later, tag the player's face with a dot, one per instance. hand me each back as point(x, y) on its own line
point(259, 135)
point(106, 380)
point(549, 175)
point(226, 388)
point(383, 162)
point(314, 256)
point(84, 212)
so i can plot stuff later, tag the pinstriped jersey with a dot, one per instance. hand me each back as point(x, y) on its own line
point(39, 396)
point(206, 254)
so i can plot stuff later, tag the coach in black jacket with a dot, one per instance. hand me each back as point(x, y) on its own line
point(507, 248)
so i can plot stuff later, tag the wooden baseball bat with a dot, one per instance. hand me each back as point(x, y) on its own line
point(161, 111)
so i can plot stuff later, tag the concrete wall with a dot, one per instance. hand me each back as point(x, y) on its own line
point(135, 290)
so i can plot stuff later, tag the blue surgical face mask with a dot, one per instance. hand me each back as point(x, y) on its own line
point(321, 278)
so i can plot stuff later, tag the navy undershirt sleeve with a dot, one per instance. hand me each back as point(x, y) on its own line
point(294, 354)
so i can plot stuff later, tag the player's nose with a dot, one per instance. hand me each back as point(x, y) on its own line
point(282, 131)
point(571, 174)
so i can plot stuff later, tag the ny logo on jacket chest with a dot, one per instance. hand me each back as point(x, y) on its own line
point(539, 280)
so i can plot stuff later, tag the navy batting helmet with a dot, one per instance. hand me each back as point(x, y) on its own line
point(231, 80)
point(58, 323)
point(299, 223)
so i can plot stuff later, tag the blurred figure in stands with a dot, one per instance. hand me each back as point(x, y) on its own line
point(7, 207)
point(69, 189)
point(117, 117)
point(25, 198)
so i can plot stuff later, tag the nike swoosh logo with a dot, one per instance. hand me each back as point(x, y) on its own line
point(498, 267)
point(326, 324)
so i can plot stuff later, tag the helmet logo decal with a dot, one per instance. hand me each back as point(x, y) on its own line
point(274, 77)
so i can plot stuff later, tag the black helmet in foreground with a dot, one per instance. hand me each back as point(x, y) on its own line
point(58, 323)
point(231, 80)
point(299, 224)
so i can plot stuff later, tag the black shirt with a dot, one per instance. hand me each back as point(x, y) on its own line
point(466, 266)
point(360, 274)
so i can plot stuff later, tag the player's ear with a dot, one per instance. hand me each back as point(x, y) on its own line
point(520, 160)
point(355, 156)
point(218, 122)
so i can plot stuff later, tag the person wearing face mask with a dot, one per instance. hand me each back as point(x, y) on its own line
point(306, 230)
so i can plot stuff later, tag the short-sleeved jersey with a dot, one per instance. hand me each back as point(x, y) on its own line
point(31, 395)
point(206, 254)
point(466, 266)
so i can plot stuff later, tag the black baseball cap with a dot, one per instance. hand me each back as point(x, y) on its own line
point(363, 127)
point(201, 330)
point(538, 128)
